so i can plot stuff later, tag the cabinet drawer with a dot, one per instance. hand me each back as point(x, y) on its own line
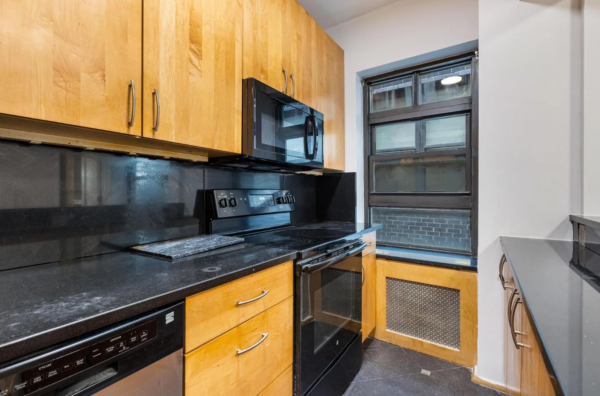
point(217, 369)
point(370, 240)
point(215, 311)
point(282, 386)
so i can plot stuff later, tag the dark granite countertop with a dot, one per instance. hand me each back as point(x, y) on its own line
point(591, 221)
point(47, 304)
point(434, 259)
point(559, 282)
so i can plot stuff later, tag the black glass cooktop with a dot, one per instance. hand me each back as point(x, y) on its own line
point(305, 240)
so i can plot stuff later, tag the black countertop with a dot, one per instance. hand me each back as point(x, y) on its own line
point(591, 221)
point(47, 304)
point(560, 284)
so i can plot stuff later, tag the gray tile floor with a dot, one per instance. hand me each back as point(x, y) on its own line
point(390, 370)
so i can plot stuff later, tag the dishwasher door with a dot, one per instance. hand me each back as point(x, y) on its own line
point(161, 378)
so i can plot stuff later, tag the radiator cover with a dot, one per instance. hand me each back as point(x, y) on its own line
point(427, 312)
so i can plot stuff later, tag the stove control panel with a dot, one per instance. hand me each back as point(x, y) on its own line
point(236, 203)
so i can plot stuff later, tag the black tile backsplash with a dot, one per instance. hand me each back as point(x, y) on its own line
point(59, 203)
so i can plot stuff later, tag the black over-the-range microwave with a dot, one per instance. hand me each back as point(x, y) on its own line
point(278, 132)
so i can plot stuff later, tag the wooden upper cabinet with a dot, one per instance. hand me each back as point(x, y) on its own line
point(330, 100)
point(193, 72)
point(72, 61)
point(264, 45)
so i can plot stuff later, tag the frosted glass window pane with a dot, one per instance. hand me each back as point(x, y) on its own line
point(389, 95)
point(433, 86)
point(429, 174)
point(446, 133)
point(395, 137)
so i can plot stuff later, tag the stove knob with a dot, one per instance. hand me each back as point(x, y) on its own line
point(223, 202)
point(281, 200)
point(232, 202)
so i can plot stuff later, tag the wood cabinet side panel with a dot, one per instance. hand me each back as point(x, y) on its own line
point(369, 307)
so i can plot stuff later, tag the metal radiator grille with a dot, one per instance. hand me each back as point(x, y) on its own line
point(430, 313)
point(342, 293)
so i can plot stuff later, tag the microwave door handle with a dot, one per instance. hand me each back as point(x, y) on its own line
point(309, 269)
point(306, 155)
point(315, 140)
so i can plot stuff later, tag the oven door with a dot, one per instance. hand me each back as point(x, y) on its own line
point(329, 315)
point(283, 129)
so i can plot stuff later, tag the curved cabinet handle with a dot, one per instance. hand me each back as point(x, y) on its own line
point(364, 273)
point(157, 122)
point(293, 84)
point(264, 337)
point(264, 293)
point(132, 88)
point(502, 280)
point(513, 333)
point(285, 76)
point(509, 312)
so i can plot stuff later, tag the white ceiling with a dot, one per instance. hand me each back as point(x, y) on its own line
point(329, 13)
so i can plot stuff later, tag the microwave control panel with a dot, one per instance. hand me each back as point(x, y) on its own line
point(235, 203)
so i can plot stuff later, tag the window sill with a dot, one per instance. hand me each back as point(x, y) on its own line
point(436, 259)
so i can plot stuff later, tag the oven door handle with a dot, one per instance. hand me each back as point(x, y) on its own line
point(309, 269)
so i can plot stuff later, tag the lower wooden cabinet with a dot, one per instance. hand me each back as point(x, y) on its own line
point(525, 370)
point(369, 313)
point(246, 359)
point(213, 312)
point(282, 386)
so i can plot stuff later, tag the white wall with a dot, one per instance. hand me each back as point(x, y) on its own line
point(391, 37)
point(530, 133)
point(530, 117)
point(591, 111)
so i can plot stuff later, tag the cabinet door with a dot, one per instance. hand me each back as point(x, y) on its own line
point(193, 59)
point(512, 355)
point(71, 61)
point(535, 380)
point(368, 295)
point(331, 99)
point(264, 46)
point(300, 43)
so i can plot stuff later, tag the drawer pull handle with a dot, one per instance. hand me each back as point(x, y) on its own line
point(264, 293)
point(264, 337)
point(370, 243)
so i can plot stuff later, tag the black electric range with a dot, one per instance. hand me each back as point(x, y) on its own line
point(328, 282)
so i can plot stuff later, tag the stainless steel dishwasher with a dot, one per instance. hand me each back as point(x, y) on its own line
point(142, 356)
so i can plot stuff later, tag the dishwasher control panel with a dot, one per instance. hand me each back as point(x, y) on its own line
point(52, 370)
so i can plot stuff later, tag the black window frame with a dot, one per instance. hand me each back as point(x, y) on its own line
point(425, 200)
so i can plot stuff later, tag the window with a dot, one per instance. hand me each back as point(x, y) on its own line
point(420, 165)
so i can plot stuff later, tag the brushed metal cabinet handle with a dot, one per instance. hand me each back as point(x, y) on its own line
point(285, 76)
point(364, 274)
point(132, 88)
point(264, 337)
point(293, 84)
point(264, 293)
point(156, 98)
point(512, 322)
point(501, 269)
